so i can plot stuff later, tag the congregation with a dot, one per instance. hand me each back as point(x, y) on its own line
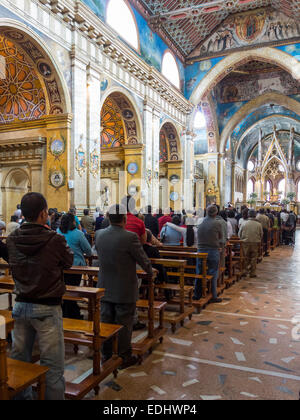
point(42, 243)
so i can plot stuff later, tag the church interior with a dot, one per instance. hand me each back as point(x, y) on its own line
point(180, 105)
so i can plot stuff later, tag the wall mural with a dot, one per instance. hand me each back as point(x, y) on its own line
point(244, 30)
point(152, 47)
point(21, 93)
point(259, 114)
point(168, 132)
point(241, 89)
point(163, 150)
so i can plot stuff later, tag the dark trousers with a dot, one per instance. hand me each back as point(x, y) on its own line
point(265, 240)
point(120, 314)
point(71, 309)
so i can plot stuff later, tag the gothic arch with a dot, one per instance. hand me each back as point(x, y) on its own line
point(273, 97)
point(232, 61)
point(51, 77)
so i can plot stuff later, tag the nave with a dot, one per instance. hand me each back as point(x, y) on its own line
point(241, 349)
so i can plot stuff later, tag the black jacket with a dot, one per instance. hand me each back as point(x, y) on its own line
point(37, 257)
point(151, 223)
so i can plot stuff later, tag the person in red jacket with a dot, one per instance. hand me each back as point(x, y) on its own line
point(164, 219)
point(134, 224)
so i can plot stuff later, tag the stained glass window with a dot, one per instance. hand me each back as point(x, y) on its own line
point(112, 134)
point(21, 93)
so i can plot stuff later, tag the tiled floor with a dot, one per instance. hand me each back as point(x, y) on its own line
point(244, 348)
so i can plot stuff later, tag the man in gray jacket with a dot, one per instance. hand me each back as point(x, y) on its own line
point(119, 251)
point(251, 232)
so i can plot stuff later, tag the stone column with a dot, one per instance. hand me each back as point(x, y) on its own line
point(187, 144)
point(79, 129)
point(93, 136)
point(233, 182)
point(148, 150)
point(155, 158)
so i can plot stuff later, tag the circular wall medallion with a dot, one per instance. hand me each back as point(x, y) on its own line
point(57, 179)
point(174, 179)
point(132, 168)
point(45, 69)
point(174, 196)
point(127, 114)
point(57, 147)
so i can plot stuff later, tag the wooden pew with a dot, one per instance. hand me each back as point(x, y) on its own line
point(87, 333)
point(16, 376)
point(204, 277)
point(152, 307)
point(180, 288)
point(231, 265)
point(237, 248)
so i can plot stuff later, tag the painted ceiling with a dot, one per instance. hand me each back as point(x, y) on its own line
point(186, 23)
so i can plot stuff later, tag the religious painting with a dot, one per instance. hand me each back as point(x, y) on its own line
point(57, 146)
point(80, 160)
point(45, 69)
point(95, 162)
point(249, 29)
point(255, 82)
point(57, 177)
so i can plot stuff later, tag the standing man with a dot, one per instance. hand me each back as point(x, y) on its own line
point(265, 222)
point(151, 222)
point(210, 235)
point(37, 257)
point(119, 251)
point(251, 233)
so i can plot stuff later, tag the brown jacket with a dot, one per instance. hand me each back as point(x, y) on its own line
point(251, 231)
point(37, 257)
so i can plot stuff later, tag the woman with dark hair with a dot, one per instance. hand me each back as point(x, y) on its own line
point(169, 235)
point(79, 245)
point(188, 232)
point(244, 218)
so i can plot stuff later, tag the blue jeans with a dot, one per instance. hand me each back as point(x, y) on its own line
point(213, 262)
point(45, 323)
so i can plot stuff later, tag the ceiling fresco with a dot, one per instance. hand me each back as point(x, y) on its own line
point(187, 23)
point(275, 111)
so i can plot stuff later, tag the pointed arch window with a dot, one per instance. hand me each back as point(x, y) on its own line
point(250, 187)
point(121, 18)
point(170, 69)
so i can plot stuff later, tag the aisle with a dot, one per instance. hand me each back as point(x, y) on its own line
point(241, 349)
